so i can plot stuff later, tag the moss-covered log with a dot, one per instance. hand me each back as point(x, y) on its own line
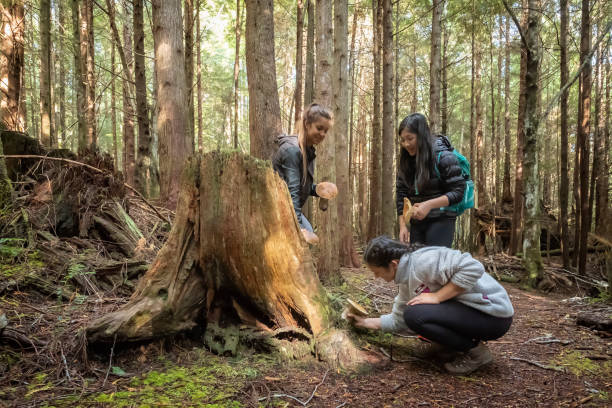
point(235, 255)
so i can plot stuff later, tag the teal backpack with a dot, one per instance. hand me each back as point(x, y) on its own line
point(468, 196)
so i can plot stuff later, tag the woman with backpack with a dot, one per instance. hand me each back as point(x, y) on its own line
point(428, 175)
point(294, 162)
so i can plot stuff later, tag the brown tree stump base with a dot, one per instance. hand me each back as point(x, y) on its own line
point(235, 257)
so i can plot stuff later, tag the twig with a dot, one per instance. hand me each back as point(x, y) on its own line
point(132, 189)
point(304, 403)
point(537, 364)
point(547, 340)
point(341, 405)
point(65, 363)
point(110, 360)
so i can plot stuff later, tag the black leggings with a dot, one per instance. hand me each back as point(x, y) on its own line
point(454, 324)
point(438, 231)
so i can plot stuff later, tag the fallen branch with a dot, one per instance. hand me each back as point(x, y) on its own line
point(547, 340)
point(304, 403)
point(538, 364)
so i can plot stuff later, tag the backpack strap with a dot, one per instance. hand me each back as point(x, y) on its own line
point(436, 165)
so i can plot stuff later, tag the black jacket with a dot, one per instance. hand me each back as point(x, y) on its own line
point(287, 162)
point(450, 183)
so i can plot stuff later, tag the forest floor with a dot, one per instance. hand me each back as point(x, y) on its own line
point(545, 360)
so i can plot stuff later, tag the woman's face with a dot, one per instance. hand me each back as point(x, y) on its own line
point(408, 141)
point(317, 130)
point(385, 273)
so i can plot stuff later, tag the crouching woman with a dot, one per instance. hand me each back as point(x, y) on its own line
point(444, 295)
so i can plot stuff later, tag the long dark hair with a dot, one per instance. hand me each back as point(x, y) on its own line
point(382, 250)
point(417, 123)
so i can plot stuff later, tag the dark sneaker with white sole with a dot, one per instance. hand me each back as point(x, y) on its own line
point(470, 361)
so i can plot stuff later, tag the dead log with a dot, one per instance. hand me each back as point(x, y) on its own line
point(235, 256)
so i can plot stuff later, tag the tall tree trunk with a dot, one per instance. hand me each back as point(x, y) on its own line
point(326, 161)
point(493, 139)
point(199, 76)
point(564, 177)
point(11, 66)
point(129, 136)
point(478, 128)
point(236, 70)
point(374, 225)
point(531, 244)
point(434, 67)
point(498, 142)
point(60, 127)
point(444, 68)
point(388, 139)
point(299, 63)
point(114, 109)
point(596, 169)
point(363, 164)
point(507, 194)
point(352, 97)
point(310, 54)
point(189, 65)
point(46, 107)
point(144, 171)
point(519, 198)
point(92, 136)
point(601, 191)
point(603, 200)
point(413, 100)
point(264, 109)
point(582, 138)
point(340, 131)
point(80, 53)
point(174, 143)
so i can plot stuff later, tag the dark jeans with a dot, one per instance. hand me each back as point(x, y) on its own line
point(454, 324)
point(438, 231)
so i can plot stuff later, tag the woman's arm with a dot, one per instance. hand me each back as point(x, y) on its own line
point(420, 210)
point(372, 323)
point(446, 292)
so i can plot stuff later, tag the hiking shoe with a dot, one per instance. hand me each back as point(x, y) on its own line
point(470, 360)
point(429, 349)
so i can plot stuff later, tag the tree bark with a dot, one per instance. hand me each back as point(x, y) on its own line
point(235, 256)
point(532, 258)
point(46, 110)
point(80, 53)
point(114, 109)
point(388, 128)
point(604, 201)
point(374, 224)
point(145, 171)
point(60, 127)
point(519, 198)
point(11, 66)
point(129, 134)
point(444, 74)
point(299, 47)
point(174, 143)
point(507, 194)
point(90, 97)
point(414, 99)
point(564, 178)
point(582, 140)
point(434, 67)
point(601, 191)
point(264, 109)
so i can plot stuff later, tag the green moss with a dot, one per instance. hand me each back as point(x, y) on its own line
point(576, 363)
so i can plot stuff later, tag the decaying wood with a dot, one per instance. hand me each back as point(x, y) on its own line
point(235, 241)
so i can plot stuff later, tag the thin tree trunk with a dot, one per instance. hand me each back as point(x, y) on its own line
point(603, 200)
point(80, 53)
point(264, 109)
point(114, 109)
point(531, 244)
point(144, 171)
point(444, 106)
point(352, 97)
point(310, 54)
point(493, 139)
point(582, 138)
point(236, 71)
point(11, 66)
point(326, 161)
point(299, 63)
point(413, 101)
point(189, 65)
point(92, 137)
point(434, 67)
point(375, 140)
point(507, 193)
point(61, 97)
point(46, 107)
point(478, 131)
point(129, 136)
point(601, 191)
point(519, 198)
point(498, 142)
point(596, 170)
point(388, 139)
point(175, 145)
point(363, 164)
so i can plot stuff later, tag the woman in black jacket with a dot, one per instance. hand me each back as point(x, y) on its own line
point(294, 162)
point(430, 177)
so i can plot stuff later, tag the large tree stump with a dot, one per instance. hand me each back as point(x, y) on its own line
point(235, 255)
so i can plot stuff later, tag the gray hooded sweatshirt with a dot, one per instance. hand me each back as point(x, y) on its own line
point(428, 269)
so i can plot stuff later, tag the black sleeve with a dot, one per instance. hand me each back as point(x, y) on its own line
point(290, 169)
point(313, 190)
point(401, 191)
point(450, 173)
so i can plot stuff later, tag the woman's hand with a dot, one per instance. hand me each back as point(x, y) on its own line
point(372, 323)
point(404, 233)
point(310, 237)
point(420, 210)
point(424, 299)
